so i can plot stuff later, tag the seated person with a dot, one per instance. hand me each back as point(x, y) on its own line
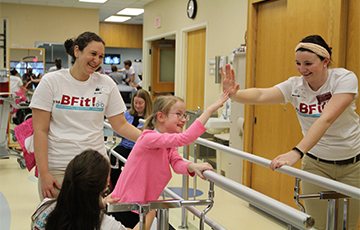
point(115, 75)
point(78, 205)
point(141, 107)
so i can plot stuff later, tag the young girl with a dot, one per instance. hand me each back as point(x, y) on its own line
point(147, 170)
point(78, 206)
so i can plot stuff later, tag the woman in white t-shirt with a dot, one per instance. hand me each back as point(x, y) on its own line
point(324, 100)
point(78, 206)
point(68, 109)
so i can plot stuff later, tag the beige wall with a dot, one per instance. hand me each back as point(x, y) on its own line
point(31, 23)
point(226, 22)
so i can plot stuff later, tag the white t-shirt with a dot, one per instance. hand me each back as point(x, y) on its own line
point(129, 72)
point(107, 223)
point(15, 83)
point(342, 139)
point(77, 113)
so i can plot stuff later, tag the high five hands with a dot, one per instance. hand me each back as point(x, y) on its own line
point(229, 80)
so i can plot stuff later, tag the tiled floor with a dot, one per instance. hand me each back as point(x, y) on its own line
point(19, 199)
point(19, 189)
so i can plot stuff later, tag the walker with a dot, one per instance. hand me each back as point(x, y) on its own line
point(8, 99)
point(162, 209)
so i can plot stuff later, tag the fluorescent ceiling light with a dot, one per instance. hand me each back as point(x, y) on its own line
point(131, 11)
point(93, 1)
point(117, 19)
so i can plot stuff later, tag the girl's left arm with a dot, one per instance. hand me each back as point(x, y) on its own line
point(334, 108)
point(188, 168)
point(124, 128)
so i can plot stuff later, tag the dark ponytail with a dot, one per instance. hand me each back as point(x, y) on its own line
point(81, 41)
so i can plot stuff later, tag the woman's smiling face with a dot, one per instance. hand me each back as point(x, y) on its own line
point(309, 65)
point(91, 57)
point(139, 105)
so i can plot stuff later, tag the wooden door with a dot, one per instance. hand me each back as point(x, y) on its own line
point(353, 43)
point(163, 67)
point(195, 81)
point(274, 29)
point(276, 129)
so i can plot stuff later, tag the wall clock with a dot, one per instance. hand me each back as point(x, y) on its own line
point(191, 9)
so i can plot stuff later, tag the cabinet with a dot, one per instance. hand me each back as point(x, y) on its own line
point(229, 165)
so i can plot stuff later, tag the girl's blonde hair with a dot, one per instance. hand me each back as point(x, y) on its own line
point(161, 104)
point(141, 93)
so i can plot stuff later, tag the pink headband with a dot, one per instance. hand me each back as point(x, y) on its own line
point(317, 49)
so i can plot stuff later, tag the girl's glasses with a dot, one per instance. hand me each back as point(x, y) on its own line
point(181, 116)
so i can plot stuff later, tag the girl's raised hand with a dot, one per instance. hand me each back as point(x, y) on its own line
point(229, 80)
point(199, 168)
point(219, 103)
point(204, 117)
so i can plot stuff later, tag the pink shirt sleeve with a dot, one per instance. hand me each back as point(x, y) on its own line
point(170, 140)
point(179, 165)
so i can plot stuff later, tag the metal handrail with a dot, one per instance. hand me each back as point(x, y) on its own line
point(312, 178)
point(276, 208)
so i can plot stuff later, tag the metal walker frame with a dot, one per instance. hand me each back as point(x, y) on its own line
point(162, 207)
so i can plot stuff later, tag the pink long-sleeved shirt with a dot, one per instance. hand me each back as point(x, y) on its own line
point(147, 170)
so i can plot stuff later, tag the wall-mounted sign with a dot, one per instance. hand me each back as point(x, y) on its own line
point(157, 22)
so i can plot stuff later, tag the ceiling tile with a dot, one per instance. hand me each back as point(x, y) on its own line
point(111, 7)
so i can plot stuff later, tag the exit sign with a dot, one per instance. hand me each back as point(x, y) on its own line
point(157, 22)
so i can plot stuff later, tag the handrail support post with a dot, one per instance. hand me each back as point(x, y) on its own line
point(211, 197)
point(162, 219)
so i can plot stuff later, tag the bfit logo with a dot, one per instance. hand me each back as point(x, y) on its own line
point(78, 101)
point(311, 109)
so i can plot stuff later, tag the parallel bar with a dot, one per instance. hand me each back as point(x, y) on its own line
point(115, 154)
point(312, 178)
point(293, 216)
